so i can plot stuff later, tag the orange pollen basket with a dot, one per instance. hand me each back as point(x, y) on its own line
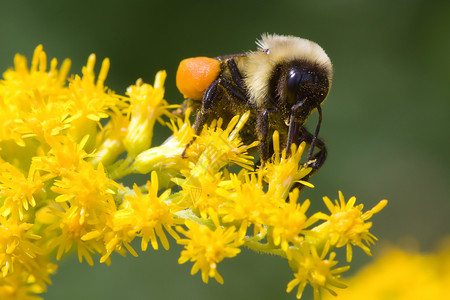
point(194, 75)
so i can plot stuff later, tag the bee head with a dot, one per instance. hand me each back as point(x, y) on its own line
point(303, 89)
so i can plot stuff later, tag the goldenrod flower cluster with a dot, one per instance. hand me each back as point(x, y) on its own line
point(65, 144)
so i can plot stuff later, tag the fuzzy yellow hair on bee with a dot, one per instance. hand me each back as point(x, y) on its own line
point(273, 50)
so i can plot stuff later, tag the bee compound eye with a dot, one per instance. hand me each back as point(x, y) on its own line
point(293, 80)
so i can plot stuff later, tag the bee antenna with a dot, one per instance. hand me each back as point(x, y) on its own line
point(316, 133)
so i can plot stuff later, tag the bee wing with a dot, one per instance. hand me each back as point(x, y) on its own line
point(225, 57)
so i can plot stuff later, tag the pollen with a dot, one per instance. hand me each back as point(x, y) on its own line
point(194, 75)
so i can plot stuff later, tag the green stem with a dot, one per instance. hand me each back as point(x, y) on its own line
point(254, 245)
point(189, 215)
point(121, 168)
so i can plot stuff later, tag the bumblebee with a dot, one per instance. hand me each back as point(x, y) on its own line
point(281, 83)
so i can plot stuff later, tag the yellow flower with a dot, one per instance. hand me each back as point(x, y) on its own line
point(207, 247)
point(32, 105)
point(86, 187)
point(347, 226)
point(110, 141)
point(283, 172)
point(147, 106)
point(402, 275)
point(17, 245)
point(21, 82)
point(144, 215)
point(200, 193)
point(71, 227)
point(166, 159)
point(87, 206)
point(216, 147)
point(64, 156)
point(17, 190)
point(90, 102)
point(289, 222)
point(247, 204)
point(310, 268)
point(24, 283)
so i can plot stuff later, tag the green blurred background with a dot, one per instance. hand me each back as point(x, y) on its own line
point(386, 121)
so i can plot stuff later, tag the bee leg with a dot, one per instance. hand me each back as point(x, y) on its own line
point(316, 134)
point(262, 130)
point(236, 77)
point(317, 160)
point(209, 98)
point(234, 88)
